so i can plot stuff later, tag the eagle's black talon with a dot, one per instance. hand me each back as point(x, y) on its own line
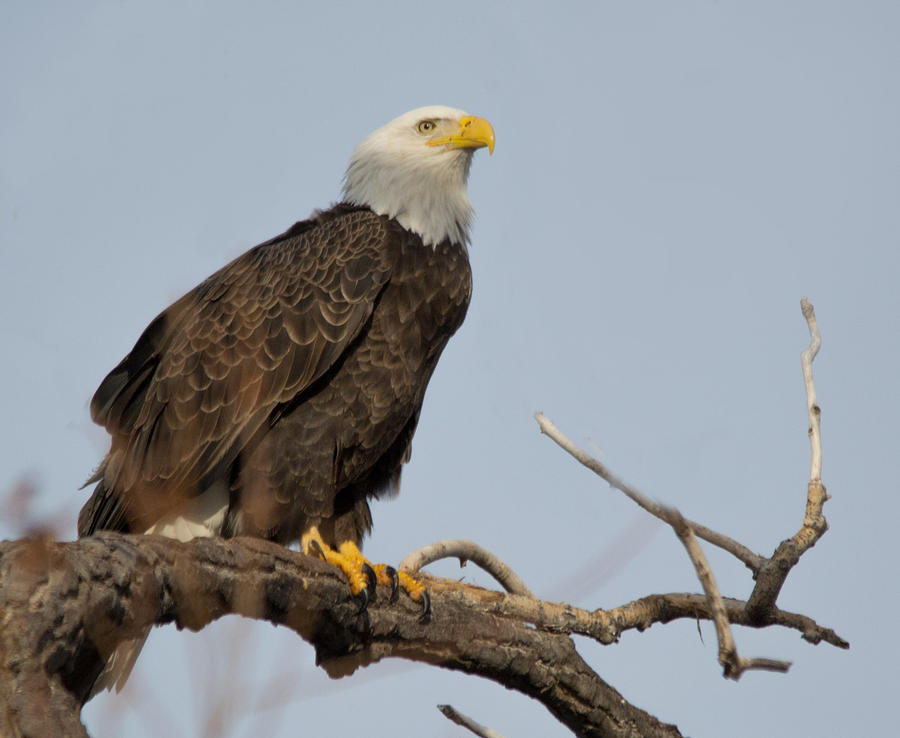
point(395, 583)
point(362, 599)
point(314, 544)
point(425, 616)
point(371, 579)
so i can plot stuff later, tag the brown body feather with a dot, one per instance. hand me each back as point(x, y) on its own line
point(292, 378)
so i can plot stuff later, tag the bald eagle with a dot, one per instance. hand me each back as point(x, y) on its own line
point(282, 393)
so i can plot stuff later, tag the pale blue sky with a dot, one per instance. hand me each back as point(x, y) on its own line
point(669, 180)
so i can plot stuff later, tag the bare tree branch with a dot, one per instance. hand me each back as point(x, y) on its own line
point(663, 608)
point(772, 575)
point(732, 663)
point(752, 560)
point(812, 407)
point(466, 551)
point(606, 626)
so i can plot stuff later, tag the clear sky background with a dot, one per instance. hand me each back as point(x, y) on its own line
point(670, 179)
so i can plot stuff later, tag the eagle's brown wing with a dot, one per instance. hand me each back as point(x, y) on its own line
point(208, 372)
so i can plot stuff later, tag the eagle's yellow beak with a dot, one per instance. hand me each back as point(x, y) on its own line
point(473, 133)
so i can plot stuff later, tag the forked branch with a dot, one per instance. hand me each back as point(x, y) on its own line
point(770, 573)
point(774, 572)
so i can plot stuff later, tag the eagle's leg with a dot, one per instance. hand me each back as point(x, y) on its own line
point(361, 573)
point(312, 544)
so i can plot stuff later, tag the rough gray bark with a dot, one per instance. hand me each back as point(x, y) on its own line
point(65, 606)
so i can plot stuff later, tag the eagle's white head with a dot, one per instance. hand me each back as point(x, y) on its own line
point(414, 169)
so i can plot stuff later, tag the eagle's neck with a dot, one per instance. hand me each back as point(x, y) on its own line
point(426, 195)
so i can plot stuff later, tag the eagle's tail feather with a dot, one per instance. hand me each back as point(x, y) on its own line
point(104, 509)
point(119, 664)
point(200, 516)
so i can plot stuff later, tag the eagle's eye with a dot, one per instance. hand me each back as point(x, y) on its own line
point(426, 126)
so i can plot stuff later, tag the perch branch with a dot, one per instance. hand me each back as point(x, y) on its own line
point(97, 592)
point(466, 551)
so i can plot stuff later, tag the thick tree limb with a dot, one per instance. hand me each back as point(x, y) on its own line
point(64, 607)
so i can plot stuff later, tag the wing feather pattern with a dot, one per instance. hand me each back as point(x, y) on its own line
point(208, 372)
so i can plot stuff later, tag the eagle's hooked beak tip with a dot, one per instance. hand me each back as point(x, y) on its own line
point(478, 131)
point(473, 133)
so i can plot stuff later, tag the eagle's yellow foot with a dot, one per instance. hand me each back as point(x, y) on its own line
point(362, 574)
point(417, 593)
point(358, 572)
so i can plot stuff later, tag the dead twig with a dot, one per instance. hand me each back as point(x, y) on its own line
point(812, 407)
point(752, 560)
point(457, 717)
point(466, 551)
